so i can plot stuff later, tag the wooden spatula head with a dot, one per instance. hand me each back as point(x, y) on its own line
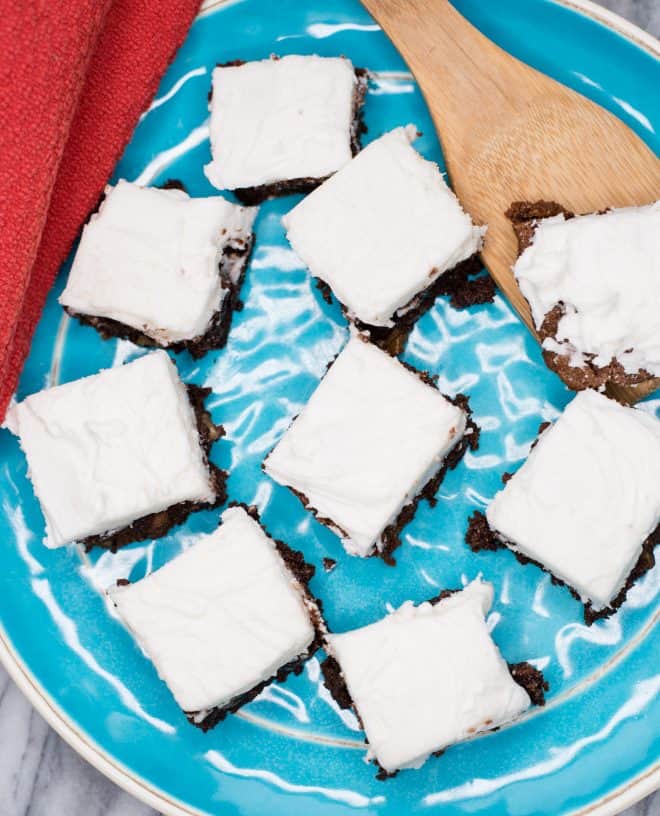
point(510, 133)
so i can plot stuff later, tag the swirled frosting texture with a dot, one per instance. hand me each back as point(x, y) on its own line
point(280, 119)
point(425, 677)
point(149, 259)
point(108, 449)
point(221, 617)
point(587, 497)
point(382, 229)
point(605, 270)
point(365, 444)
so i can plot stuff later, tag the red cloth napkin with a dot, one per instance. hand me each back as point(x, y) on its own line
point(74, 77)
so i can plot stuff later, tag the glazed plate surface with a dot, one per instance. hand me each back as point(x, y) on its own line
point(595, 746)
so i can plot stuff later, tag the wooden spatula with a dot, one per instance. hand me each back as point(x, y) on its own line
point(509, 134)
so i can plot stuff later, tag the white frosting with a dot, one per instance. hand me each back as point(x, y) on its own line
point(108, 449)
point(149, 259)
point(382, 229)
point(365, 444)
point(280, 119)
point(605, 269)
point(425, 677)
point(587, 497)
point(221, 617)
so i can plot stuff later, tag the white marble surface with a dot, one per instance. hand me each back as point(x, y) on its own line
point(41, 776)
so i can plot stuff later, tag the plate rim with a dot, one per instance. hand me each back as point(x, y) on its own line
point(644, 784)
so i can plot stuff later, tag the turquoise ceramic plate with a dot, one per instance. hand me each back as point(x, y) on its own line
point(595, 745)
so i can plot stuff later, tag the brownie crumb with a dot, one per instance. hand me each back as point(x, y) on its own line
point(532, 680)
point(123, 582)
point(465, 285)
point(382, 774)
point(479, 536)
point(173, 184)
point(329, 564)
point(542, 427)
point(324, 289)
point(506, 477)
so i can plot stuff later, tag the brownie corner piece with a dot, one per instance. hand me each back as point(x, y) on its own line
point(592, 285)
point(236, 614)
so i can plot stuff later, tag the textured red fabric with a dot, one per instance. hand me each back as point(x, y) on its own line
point(74, 77)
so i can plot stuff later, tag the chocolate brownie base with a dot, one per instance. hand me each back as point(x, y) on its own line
point(524, 217)
point(524, 674)
point(231, 268)
point(156, 525)
point(303, 572)
point(262, 192)
point(480, 536)
point(466, 285)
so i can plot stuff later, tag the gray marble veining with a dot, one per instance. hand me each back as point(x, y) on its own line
point(40, 775)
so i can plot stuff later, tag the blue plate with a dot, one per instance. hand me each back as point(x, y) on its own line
point(594, 746)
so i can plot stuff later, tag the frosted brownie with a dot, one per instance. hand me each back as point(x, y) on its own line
point(283, 125)
point(585, 506)
point(425, 677)
point(382, 230)
point(374, 439)
point(225, 618)
point(119, 456)
point(160, 268)
point(593, 285)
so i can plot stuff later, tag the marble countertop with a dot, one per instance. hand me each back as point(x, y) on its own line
point(40, 775)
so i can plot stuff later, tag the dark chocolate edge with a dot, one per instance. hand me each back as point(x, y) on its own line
point(391, 535)
point(276, 189)
point(392, 532)
point(524, 217)
point(215, 336)
point(303, 571)
point(480, 536)
point(157, 524)
point(463, 283)
point(524, 674)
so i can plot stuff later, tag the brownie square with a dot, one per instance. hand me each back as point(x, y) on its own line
point(224, 618)
point(283, 125)
point(120, 455)
point(382, 231)
point(373, 439)
point(160, 268)
point(428, 676)
point(585, 506)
